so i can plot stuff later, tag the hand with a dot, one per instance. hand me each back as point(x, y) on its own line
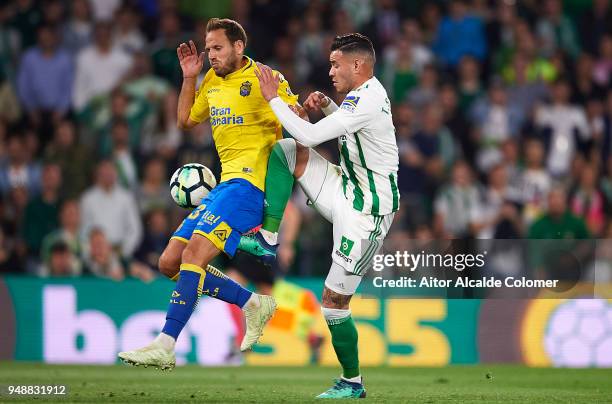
point(191, 62)
point(268, 81)
point(316, 101)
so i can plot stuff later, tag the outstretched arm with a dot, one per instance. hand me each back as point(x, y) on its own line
point(304, 132)
point(191, 64)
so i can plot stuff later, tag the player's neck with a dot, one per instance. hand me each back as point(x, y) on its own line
point(359, 82)
point(243, 61)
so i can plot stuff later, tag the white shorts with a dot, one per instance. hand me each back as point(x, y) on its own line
point(357, 236)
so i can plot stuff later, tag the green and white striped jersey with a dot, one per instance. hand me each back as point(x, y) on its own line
point(368, 150)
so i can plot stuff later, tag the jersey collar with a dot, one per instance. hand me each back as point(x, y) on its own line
point(365, 84)
point(240, 71)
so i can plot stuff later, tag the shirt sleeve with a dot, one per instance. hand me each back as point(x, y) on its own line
point(330, 108)
point(199, 110)
point(284, 91)
point(353, 114)
point(305, 132)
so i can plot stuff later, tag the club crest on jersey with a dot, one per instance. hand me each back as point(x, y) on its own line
point(350, 103)
point(245, 88)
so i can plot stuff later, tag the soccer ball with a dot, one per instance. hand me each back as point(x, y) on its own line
point(190, 184)
point(579, 334)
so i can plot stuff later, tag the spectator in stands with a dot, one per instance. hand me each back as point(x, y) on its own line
point(45, 80)
point(153, 191)
point(18, 170)
point(563, 125)
point(10, 43)
point(386, 24)
point(427, 90)
point(127, 35)
point(99, 67)
point(61, 261)
point(588, 202)
point(558, 222)
point(459, 34)
point(584, 87)
point(435, 143)
point(495, 196)
point(530, 62)
point(10, 110)
point(556, 30)
point(99, 257)
point(163, 54)
point(122, 155)
point(78, 29)
point(524, 92)
point(456, 121)
point(535, 182)
point(400, 74)
point(109, 207)
point(157, 232)
point(104, 10)
point(41, 213)
point(25, 19)
point(157, 99)
point(309, 45)
point(495, 121)
point(602, 71)
point(470, 86)
point(457, 206)
point(67, 234)
point(74, 159)
point(594, 23)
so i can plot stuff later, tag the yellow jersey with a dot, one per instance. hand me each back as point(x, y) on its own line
point(244, 127)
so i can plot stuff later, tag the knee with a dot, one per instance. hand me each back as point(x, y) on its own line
point(190, 255)
point(168, 264)
point(293, 154)
point(199, 251)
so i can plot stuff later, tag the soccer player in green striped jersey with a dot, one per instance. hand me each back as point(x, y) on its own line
point(360, 196)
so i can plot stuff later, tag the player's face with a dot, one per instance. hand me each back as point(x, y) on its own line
point(341, 71)
point(224, 57)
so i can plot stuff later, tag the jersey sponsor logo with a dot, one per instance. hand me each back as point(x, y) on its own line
point(346, 245)
point(245, 88)
point(210, 218)
point(224, 116)
point(213, 90)
point(344, 257)
point(221, 234)
point(247, 170)
point(350, 103)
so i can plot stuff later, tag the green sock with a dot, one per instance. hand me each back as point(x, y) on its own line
point(344, 340)
point(279, 185)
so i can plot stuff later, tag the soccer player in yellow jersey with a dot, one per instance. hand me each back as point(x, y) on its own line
point(244, 129)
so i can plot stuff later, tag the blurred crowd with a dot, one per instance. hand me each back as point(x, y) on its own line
point(502, 109)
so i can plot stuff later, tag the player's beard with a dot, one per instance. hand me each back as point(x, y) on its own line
point(230, 66)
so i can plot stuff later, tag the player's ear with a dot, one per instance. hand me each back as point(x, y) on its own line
point(239, 47)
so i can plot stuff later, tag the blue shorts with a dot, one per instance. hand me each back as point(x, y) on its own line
point(232, 208)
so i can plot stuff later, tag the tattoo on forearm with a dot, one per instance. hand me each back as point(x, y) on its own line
point(335, 300)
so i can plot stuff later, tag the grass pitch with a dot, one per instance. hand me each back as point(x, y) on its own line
point(459, 384)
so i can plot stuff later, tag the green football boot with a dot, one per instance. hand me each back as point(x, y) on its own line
point(257, 246)
point(344, 389)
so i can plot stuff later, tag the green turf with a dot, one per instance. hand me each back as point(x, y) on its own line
point(486, 384)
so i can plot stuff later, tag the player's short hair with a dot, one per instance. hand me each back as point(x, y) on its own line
point(354, 42)
point(233, 29)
